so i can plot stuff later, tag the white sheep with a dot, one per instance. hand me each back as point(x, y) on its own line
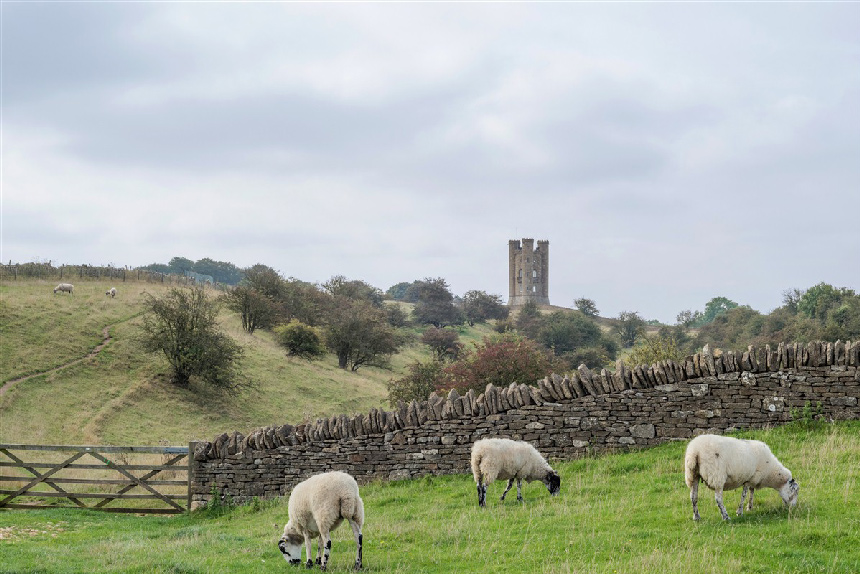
point(66, 287)
point(317, 506)
point(504, 458)
point(725, 463)
point(111, 292)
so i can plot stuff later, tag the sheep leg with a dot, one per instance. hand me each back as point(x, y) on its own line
point(505, 493)
point(718, 496)
point(740, 511)
point(520, 489)
point(482, 494)
point(694, 498)
point(356, 532)
point(752, 491)
point(325, 540)
point(319, 550)
point(309, 549)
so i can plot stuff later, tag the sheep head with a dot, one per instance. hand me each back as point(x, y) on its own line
point(290, 546)
point(789, 492)
point(553, 482)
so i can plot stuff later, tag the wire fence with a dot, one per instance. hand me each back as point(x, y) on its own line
point(22, 271)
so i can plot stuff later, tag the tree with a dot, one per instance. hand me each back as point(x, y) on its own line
point(182, 325)
point(402, 292)
point(688, 318)
point(257, 310)
point(357, 290)
point(586, 306)
point(629, 326)
point(528, 319)
point(304, 302)
point(435, 304)
point(220, 271)
point(566, 331)
point(300, 340)
point(819, 299)
point(444, 343)
point(500, 361)
point(715, 307)
point(651, 350)
point(180, 265)
point(480, 307)
point(359, 334)
point(417, 385)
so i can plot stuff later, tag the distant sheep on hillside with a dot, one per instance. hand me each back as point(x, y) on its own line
point(725, 463)
point(65, 287)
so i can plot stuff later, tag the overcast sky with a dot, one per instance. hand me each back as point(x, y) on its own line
point(670, 153)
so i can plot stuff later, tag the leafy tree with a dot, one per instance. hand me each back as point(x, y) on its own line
point(182, 325)
point(565, 331)
point(420, 380)
point(180, 265)
point(790, 299)
point(357, 290)
point(528, 319)
point(714, 307)
point(435, 304)
point(220, 271)
point(688, 318)
point(500, 361)
point(304, 302)
point(818, 300)
point(257, 310)
point(480, 307)
point(444, 343)
point(397, 317)
point(651, 350)
point(300, 340)
point(265, 280)
point(403, 291)
point(629, 326)
point(586, 306)
point(359, 334)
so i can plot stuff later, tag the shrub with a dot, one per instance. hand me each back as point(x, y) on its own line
point(182, 325)
point(300, 340)
point(418, 384)
point(500, 361)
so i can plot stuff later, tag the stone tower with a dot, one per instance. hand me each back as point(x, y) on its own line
point(528, 272)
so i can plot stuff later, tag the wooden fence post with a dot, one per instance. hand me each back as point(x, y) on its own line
point(191, 446)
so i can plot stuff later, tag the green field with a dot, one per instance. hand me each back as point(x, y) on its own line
point(122, 396)
point(616, 513)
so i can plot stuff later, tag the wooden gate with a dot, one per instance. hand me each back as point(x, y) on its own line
point(144, 479)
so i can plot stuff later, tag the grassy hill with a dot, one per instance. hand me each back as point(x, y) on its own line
point(618, 513)
point(122, 396)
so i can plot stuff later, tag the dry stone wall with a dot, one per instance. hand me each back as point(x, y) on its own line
point(564, 417)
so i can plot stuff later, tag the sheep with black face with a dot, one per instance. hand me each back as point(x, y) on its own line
point(317, 506)
point(726, 463)
point(504, 458)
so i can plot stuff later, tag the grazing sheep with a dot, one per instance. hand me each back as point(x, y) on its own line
point(317, 506)
point(111, 292)
point(66, 287)
point(725, 463)
point(503, 458)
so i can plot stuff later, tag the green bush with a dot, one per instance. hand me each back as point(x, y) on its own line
point(300, 340)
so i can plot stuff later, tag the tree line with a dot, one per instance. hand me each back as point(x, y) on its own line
point(363, 326)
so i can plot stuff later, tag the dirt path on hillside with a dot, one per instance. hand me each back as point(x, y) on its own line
point(106, 338)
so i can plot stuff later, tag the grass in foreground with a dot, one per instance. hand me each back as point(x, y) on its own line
point(617, 513)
